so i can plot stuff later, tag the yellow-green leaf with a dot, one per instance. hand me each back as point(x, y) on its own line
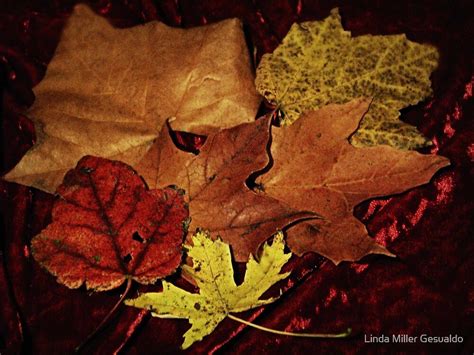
point(218, 294)
point(319, 63)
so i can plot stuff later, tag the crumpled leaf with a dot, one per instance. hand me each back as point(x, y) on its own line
point(214, 181)
point(316, 168)
point(107, 227)
point(218, 294)
point(107, 91)
point(319, 63)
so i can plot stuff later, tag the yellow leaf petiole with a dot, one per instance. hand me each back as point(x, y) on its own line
point(280, 332)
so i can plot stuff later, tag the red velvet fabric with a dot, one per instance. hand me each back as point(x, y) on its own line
point(427, 289)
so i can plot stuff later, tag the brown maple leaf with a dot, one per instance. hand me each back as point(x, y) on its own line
point(214, 180)
point(107, 91)
point(108, 227)
point(316, 168)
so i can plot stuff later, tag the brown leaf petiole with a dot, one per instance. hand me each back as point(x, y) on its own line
point(106, 319)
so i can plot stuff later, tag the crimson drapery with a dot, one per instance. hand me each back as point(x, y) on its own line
point(428, 289)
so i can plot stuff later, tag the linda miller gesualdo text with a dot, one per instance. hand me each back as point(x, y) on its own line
point(405, 338)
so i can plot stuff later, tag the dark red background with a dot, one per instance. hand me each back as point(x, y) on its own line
point(427, 289)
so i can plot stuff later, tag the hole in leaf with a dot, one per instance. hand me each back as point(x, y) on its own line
point(186, 141)
point(137, 237)
point(127, 258)
point(86, 170)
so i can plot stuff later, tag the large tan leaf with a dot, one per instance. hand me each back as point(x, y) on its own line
point(107, 91)
point(316, 168)
point(214, 181)
point(319, 63)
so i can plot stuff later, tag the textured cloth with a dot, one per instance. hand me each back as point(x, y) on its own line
point(428, 289)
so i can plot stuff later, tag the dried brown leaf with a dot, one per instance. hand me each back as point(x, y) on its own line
point(107, 91)
point(315, 168)
point(214, 180)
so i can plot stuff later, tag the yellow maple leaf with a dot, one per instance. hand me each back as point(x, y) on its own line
point(319, 63)
point(218, 294)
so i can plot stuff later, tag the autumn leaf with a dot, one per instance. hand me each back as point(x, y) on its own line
point(316, 168)
point(107, 227)
point(319, 63)
point(107, 91)
point(215, 185)
point(218, 293)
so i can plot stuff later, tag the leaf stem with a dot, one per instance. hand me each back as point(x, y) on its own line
point(280, 332)
point(106, 319)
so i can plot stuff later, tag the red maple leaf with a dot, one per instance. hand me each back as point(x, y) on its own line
point(108, 227)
